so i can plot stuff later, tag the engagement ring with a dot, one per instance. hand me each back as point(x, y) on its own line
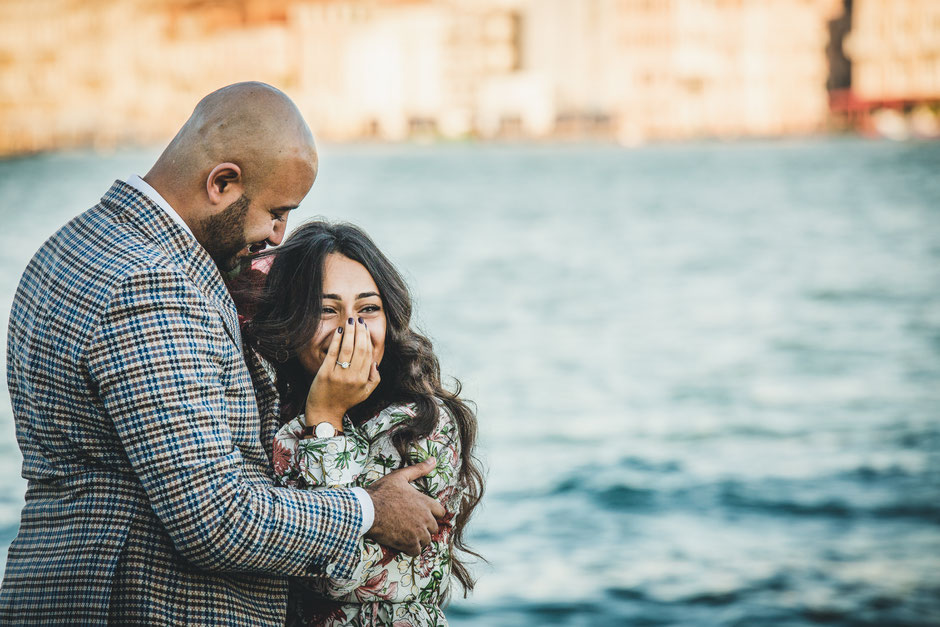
point(343, 364)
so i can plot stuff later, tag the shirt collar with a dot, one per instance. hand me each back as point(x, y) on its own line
point(144, 188)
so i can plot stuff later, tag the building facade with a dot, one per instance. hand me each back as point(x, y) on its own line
point(105, 72)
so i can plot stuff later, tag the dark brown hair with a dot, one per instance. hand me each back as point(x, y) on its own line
point(284, 312)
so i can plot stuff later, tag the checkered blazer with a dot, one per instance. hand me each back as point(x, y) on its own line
point(150, 497)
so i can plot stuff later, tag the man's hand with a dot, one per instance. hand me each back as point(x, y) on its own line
point(405, 519)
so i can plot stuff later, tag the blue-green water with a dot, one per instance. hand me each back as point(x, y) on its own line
point(708, 375)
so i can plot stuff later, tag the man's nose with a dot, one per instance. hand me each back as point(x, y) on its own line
point(277, 233)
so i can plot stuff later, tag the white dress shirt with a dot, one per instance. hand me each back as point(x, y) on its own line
point(144, 188)
point(135, 181)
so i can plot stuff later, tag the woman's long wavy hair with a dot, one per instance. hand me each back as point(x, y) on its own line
point(283, 314)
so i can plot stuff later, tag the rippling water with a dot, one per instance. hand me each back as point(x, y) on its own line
point(707, 375)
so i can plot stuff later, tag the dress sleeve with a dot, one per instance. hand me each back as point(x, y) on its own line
point(318, 462)
point(384, 574)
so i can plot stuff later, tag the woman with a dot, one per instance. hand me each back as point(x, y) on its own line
point(333, 321)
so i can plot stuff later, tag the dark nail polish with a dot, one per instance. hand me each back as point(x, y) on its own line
point(360, 321)
point(339, 329)
point(349, 321)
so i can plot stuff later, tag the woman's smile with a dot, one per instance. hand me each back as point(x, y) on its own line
point(349, 293)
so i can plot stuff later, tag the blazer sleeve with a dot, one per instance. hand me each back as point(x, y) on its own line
point(157, 358)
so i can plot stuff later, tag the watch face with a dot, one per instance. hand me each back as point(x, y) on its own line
point(324, 430)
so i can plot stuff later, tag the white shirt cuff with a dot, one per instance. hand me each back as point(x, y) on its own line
point(368, 509)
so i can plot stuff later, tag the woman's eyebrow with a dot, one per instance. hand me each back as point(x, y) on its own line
point(358, 296)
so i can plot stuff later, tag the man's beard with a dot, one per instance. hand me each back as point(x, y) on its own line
point(223, 234)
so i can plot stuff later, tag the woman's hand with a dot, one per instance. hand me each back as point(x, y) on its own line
point(335, 389)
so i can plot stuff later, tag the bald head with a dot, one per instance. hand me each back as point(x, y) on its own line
point(244, 142)
point(252, 125)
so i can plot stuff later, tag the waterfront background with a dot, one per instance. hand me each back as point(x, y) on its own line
point(697, 303)
point(110, 72)
point(707, 373)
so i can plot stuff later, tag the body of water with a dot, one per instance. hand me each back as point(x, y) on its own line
point(708, 375)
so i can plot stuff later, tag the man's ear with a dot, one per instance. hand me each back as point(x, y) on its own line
point(224, 184)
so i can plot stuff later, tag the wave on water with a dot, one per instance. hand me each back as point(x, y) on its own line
point(637, 484)
point(830, 497)
point(773, 602)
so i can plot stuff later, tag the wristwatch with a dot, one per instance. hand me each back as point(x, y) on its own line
point(321, 430)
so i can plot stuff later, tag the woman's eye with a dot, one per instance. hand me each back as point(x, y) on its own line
point(370, 308)
point(327, 310)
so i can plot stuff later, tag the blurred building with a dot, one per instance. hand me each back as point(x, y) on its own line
point(632, 69)
point(106, 72)
point(393, 70)
point(894, 49)
point(722, 67)
point(840, 68)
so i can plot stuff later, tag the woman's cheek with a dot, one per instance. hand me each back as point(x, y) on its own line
point(320, 344)
point(309, 357)
point(378, 344)
point(323, 338)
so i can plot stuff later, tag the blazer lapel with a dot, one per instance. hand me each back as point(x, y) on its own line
point(206, 276)
point(263, 379)
point(181, 247)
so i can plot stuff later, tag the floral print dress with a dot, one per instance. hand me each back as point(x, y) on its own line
point(388, 587)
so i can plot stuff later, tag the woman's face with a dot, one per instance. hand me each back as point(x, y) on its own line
point(348, 292)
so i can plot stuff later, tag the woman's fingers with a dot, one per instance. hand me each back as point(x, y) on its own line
point(351, 345)
point(370, 367)
point(348, 346)
point(332, 353)
point(335, 389)
point(363, 355)
point(359, 347)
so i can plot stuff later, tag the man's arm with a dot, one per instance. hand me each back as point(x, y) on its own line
point(157, 358)
point(405, 519)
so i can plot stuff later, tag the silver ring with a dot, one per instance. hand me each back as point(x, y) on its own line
point(343, 364)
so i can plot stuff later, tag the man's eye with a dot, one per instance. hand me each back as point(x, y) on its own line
point(280, 217)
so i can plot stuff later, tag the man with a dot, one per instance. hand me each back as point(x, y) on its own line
point(145, 446)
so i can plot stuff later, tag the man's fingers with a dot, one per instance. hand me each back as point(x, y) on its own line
point(405, 518)
point(438, 511)
point(432, 525)
point(410, 473)
point(423, 540)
